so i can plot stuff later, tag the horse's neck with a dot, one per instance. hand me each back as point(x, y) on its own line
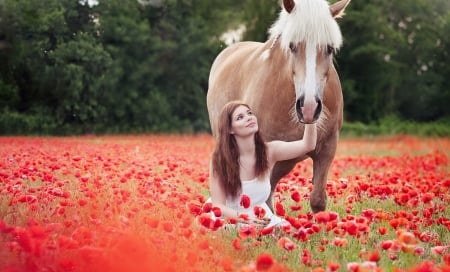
point(272, 51)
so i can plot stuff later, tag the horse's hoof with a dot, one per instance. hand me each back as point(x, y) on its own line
point(318, 206)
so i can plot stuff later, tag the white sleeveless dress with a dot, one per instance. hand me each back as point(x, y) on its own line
point(258, 190)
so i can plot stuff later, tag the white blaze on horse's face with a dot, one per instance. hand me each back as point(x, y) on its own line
point(310, 66)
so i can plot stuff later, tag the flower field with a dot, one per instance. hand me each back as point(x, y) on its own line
point(135, 203)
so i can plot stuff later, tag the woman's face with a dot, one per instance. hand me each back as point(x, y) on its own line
point(243, 122)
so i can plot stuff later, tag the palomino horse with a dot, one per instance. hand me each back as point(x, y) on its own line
point(287, 81)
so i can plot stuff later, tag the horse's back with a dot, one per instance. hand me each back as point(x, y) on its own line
point(234, 54)
point(227, 74)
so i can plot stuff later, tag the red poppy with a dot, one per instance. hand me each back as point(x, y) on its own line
point(446, 259)
point(382, 230)
point(247, 231)
point(167, 226)
point(259, 212)
point(295, 196)
point(27, 198)
point(194, 208)
point(406, 237)
point(245, 201)
point(217, 211)
point(333, 266)
point(286, 243)
point(385, 245)
point(306, 257)
point(205, 220)
point(279, 209)
point(207, 207)
point(266, 231)
point(374, 256)
point(264, 262)
point(322, 217)
point(340, 242)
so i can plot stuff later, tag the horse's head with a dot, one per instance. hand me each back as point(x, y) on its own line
point(309, 35)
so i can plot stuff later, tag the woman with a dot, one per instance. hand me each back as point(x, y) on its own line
point(242, 162)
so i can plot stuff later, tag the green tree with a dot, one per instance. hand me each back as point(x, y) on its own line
point(135, 100)
point(388, 59)
point(51, 61)
point(259, 16)
point(78, 74)
point(191, 33)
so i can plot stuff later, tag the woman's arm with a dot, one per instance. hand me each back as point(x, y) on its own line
point(280, 150)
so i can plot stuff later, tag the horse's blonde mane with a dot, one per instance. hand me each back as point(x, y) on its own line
point(311, 22)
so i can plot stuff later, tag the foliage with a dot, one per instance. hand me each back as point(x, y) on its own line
point(393, 125)
point(142, 66)
point(391, 60)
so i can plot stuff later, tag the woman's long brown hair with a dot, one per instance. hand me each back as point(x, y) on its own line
point(225, 158)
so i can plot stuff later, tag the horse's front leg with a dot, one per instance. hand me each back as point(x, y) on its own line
point(279, 170)
point(321, 164)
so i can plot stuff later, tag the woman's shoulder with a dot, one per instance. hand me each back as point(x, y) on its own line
point(271, 150)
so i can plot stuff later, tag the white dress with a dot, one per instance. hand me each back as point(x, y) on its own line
point(258, 190)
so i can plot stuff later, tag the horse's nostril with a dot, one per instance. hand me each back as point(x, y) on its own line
point(300, 103)
point(318, 109)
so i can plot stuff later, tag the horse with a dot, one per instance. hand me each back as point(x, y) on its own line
point(288, 81)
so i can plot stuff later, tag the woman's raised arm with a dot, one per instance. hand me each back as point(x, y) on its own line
point(280, 150)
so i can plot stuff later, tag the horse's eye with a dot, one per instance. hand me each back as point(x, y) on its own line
point(330, 49)
point(293, 47)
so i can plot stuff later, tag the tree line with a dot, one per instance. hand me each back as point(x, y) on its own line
point(70, 67)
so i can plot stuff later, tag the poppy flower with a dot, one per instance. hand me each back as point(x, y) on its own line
point(247, 231)
point(306, 257)
point(322, 217)
point(340, 242)
point(295, 196)
point(245, 201)
point(382, 230)
point(438, 250)
point(264, 262)
point(27, 198)
point(374, 256)
point(419, 251)
point(194, 208)
point(237, 244)
point(351, 228)
point(205, 220)
point(446, 259)
point(218, 223)
point(217, 211)
point(279, 209)
point(332, 266)
point(385, 245)
point(259, 212)
point(406, 237)
point(167, 226)
point(266, 231)
point(207, 207)
point(286, 243)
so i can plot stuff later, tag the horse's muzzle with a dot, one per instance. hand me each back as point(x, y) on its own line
point(308, 113)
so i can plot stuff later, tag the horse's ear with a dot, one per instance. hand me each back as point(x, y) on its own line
point(288, 5)
point(337, 9)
